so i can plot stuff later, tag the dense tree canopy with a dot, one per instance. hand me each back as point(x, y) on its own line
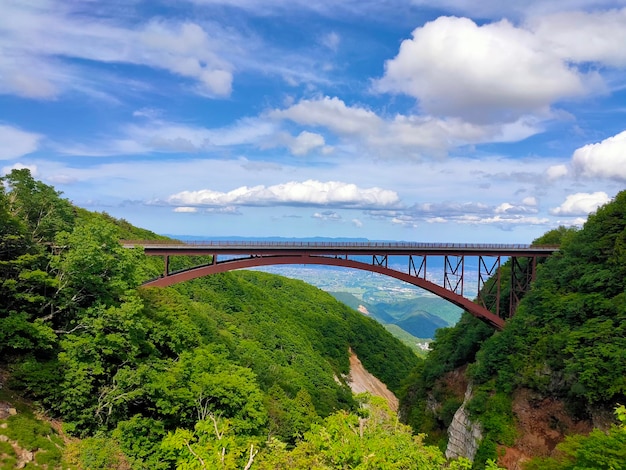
point(215, 373)
point(567, 341)
point(248, 369)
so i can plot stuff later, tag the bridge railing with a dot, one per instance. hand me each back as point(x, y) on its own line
point(332, 244)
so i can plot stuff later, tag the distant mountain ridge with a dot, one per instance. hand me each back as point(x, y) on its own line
point(420, 317)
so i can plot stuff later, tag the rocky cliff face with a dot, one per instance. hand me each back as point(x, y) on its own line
point(464, 436)
point(542, 422)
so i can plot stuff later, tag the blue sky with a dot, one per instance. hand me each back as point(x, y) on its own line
point(407, 120)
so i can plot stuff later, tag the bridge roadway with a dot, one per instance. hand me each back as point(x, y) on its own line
point(247, 254)
point(196, 248)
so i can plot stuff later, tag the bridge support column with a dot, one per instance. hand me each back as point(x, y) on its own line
point(522, 274)
point(453, 272)
point(420, 271)
point(489, 292)
point(378, 260)
point(166, 262)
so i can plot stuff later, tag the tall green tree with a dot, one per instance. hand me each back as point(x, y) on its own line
point(30, 212)
point(372, 439)
point(40, 206)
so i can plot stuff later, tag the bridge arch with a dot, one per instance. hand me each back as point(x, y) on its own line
point(474, 309)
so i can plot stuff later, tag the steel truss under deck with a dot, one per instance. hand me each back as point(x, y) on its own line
point(489, 305)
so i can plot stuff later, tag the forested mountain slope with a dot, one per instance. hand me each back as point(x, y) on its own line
point(414, 319)
point(566, 344)
point(223, 372)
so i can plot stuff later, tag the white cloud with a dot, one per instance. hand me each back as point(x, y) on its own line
point(306, 193)
point(331, 40)
point(530, 201)
point(19, 166)
point(167, 136)
point(327, 216)
point(40, 37)
point(423, 194)
point(15, 142)
point(494, 72)
point(507, 208)
point(606, 159)
point(504, 215)
point(357, 223)
point(581, 203)
point(185, 49)
point(170, 137)
point(407, 136)
point(305, 142)
point(148, 113)
point(331, 113)
point(578, 221)
point(556, 171)
point(186, 209)
point(498, 9)
point(502, 221)
point(228, 210)
point(60, 179)
point(581, 36)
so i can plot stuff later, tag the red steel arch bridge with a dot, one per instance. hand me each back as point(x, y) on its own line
point(376, 257)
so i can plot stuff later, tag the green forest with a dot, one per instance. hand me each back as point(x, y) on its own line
point(248, 370)
point(566, 344)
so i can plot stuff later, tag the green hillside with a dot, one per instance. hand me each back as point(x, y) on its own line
point(566, 344)
point(221, 372)
point(435, 306)
point(419, 317)
point(418, 345)
point(421, 324)
point(247, 369)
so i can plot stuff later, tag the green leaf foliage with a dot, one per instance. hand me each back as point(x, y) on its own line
point(566, 341)
point(193, 376)
point(350, 440)
point(571, 324)
point(296, 336)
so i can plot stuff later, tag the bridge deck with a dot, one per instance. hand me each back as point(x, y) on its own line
point(248, 254)
point(337, 248)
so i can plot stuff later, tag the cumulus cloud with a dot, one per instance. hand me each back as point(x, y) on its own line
point(307, 141)
point(496, 71)
point(186, 209)
point(581, 36)
point(405, 135)
point(606, 159)
point(556, 171)
point(15, 142)
point(530, 201)
point(332, 113)
point(581, 204)
point(306, 193)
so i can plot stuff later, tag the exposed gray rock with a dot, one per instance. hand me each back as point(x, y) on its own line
point(464, 436)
